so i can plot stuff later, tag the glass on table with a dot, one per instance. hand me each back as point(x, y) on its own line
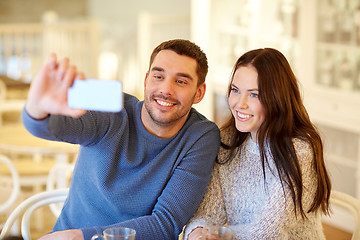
point(215, 232)
point(116, 233)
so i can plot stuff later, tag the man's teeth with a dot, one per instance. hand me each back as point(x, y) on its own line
point(162, 103)
point(243, 115)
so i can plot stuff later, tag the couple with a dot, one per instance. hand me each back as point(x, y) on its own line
point(147, 167)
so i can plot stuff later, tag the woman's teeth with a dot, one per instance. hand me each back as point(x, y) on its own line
point(244, 116)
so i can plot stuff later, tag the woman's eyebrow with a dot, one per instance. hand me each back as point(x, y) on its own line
point(249, 90)
point(233, 85)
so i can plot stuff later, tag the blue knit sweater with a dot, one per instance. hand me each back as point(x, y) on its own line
point(126, 177)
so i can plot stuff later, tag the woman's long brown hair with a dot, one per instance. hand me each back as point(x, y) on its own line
point(285, 119)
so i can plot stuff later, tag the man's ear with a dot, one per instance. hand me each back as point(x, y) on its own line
point(200, 93)
point(146, 76)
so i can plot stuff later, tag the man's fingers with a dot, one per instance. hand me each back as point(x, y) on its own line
point(52, 61)
point(69, 76)
point(63, 67)
point(80, 75)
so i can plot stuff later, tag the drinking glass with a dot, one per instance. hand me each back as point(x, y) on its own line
point(215, 232)
point(116, 233)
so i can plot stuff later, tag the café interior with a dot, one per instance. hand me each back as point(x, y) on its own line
point(113, 39)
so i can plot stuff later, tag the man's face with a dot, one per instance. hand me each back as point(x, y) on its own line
point(170, 90)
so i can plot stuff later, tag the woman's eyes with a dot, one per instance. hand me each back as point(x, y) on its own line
point(234, 90)
point(255, 95)
point(251, 94)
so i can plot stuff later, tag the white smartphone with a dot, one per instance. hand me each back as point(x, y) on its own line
point(96, 95)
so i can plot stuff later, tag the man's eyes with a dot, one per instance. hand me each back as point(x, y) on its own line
point(181, 81)
point(155, 76)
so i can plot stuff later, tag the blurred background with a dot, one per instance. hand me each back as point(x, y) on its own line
point(113, 39)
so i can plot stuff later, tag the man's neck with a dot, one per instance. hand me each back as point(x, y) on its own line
point(160, 130)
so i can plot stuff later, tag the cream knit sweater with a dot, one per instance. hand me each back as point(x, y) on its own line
point(255, 208)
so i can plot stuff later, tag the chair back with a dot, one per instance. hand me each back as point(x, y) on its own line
point(26, 208)
point(15, 186)
point(59, 178)
point(350, 205)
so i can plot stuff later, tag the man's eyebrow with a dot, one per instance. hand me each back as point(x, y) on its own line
point(185, 75)
point(180, 74)
point(158, 69)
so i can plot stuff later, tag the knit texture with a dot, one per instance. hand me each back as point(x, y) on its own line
point(126, 177)
point(255, 208)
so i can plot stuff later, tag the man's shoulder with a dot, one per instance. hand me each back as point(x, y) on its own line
point(130, 102)
point(198, 122)
point(128, 98)
point(196, 116)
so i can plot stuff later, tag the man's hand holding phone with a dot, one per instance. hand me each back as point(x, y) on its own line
point(50, 92)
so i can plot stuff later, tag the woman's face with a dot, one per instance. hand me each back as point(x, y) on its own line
point(244, 101)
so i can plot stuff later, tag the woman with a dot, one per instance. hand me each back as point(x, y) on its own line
point(270, 180)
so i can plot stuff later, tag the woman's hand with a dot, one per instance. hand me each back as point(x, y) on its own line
point(196, 234)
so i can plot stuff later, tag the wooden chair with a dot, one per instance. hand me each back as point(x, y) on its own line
point(13, 188)
point(59, 178)
point(31, 173)
point(348, 203)
point(31, 178)
point(26, 208)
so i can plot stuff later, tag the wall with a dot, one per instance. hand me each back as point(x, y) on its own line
point(118, 26)
point(21, 11)
point(120, 34)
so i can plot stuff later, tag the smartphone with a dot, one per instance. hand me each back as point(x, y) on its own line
point(96, 95)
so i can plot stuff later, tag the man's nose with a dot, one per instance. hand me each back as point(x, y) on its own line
point(167, 87)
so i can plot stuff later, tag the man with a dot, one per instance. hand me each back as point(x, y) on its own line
point(145, 167)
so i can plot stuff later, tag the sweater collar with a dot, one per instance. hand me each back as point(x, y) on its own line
point(252, 146)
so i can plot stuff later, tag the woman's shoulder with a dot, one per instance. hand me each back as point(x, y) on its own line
point(301, 145)
point(303, 151)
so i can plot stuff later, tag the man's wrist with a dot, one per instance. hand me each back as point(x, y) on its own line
point(34, 114)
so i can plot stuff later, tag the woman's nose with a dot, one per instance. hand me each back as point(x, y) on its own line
point(242, 102)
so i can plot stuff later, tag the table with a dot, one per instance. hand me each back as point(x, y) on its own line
point(16, 140)
point(40, 158)
point(13, 105)
point(16, 89)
